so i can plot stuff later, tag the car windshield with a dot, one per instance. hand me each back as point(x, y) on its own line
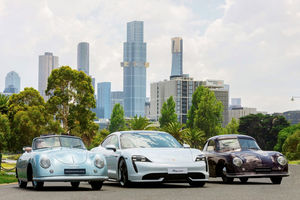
point(237, 144)
point(58, 141)
point(148, 140)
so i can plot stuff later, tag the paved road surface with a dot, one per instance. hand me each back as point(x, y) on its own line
point(256, 189)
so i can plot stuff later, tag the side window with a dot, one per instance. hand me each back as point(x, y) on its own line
point(211, 145)
point(106, 141)
point(114, 141)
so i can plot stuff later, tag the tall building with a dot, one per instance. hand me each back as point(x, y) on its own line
point(182, 89)
point(104, 99)
point(47, 63)
point(134, 70)
point(235, 103)
point(176, 56)
point(117, 97)
point(12, 83)
point(83, 62)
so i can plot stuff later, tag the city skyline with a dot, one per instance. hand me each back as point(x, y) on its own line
point(249, 50)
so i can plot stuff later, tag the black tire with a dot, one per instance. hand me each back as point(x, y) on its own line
point(276, 180)
point(226, 179)
point(75, 184)
point(22, 184)
point(244, 180)
point(124, 174)
point(37, 185)
point(197, 183)
point(96, 185)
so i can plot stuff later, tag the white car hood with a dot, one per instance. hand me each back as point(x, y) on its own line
point(165, 155)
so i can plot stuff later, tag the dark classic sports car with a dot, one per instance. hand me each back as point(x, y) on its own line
point(239, 156)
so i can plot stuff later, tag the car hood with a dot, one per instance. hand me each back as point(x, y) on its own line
point(68, 155)
point(166, 155)
point(257, 156)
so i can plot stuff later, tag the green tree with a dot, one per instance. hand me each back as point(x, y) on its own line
point(71, 100)
point(99, 137)
point(284, 134)
point(231, 128)
point(28, 119)
point(176, 129)
point(264, 128)
point(4, 131)
point(168, 113)
point(206, 112)
point(194, 137)
point(3, 104)
point(139, 123)
point(117, 120)
point(291, 146)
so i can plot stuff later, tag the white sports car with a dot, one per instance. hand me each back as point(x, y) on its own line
point(152, 156)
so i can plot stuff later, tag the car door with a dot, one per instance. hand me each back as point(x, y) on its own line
point(110, 155)
point(211, 154)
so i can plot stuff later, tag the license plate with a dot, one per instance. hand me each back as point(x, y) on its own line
point(74, 171)
point(177, 171)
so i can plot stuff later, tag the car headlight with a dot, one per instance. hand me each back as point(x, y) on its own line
point(282, 160)
point(99, 163)
point(200, 158)
point(45, 163)
point(140, 159)
point(237, 162)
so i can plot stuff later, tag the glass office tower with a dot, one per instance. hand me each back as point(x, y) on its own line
point(176, 57)
point(12, 83)
point(83, 63)
point(104, 102)
point(134, 70)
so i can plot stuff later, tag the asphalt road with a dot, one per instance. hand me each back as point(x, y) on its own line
point(258, 189)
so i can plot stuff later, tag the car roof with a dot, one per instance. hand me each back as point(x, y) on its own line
point(230, 136)
point(53, 135)
point(137, 131)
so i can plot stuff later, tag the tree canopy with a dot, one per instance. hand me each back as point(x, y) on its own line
point(117, 120)
point(139, 123)
point(206, 112)
point(291, 146)
point(3, 104)
point(168, 112)
point(284, 134)
point(264, 128)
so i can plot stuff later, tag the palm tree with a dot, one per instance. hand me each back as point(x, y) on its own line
point(140, 123)
point(194, 137)
point(175, 129)
point(3, 104)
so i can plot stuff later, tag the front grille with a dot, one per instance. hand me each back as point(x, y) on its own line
point(173, 177)
point(74, 171)
point(263, 169)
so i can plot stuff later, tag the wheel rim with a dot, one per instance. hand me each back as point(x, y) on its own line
point(123, 173)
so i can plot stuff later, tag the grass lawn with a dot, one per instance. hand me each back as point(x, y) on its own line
point(5, 178)
point(295, 162)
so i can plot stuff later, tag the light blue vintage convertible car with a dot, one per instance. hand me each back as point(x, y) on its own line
point(152, 156)
point(60, 158)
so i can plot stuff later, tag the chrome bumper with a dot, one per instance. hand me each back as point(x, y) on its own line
point(254, 175)
point(70, 178)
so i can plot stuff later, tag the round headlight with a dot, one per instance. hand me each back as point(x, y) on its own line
point(45, 163)
point(282, 160)
point(237, 162)
point(99, 163)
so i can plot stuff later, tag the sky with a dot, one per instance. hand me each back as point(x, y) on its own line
point(253, 45)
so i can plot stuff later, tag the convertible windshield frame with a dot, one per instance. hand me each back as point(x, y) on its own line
point(57, 141)
point(143, 140)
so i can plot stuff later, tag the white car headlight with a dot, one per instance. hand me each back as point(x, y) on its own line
point(45, 163)
point(139, 158)
point(200, 158)
point(282, 160)
point(237, 162)
point(99, 163)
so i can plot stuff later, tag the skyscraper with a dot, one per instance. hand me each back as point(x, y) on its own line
point(83, 63)
point(104, 99)
point(176, 57)
point(47, 63)
point(12, 83)
point(134, 70)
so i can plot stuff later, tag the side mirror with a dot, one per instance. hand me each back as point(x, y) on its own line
point(111, 147)
point(186, 146)
point(27, 149)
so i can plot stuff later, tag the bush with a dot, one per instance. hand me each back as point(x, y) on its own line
point(284, 134)
point(291, 146)
point(98, 138)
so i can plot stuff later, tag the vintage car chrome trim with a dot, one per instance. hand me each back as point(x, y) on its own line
point(71, 178)
point(255, 175)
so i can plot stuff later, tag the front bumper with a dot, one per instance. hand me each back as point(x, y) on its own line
point(256, 175)
point(158, 172)
point(70, 178)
